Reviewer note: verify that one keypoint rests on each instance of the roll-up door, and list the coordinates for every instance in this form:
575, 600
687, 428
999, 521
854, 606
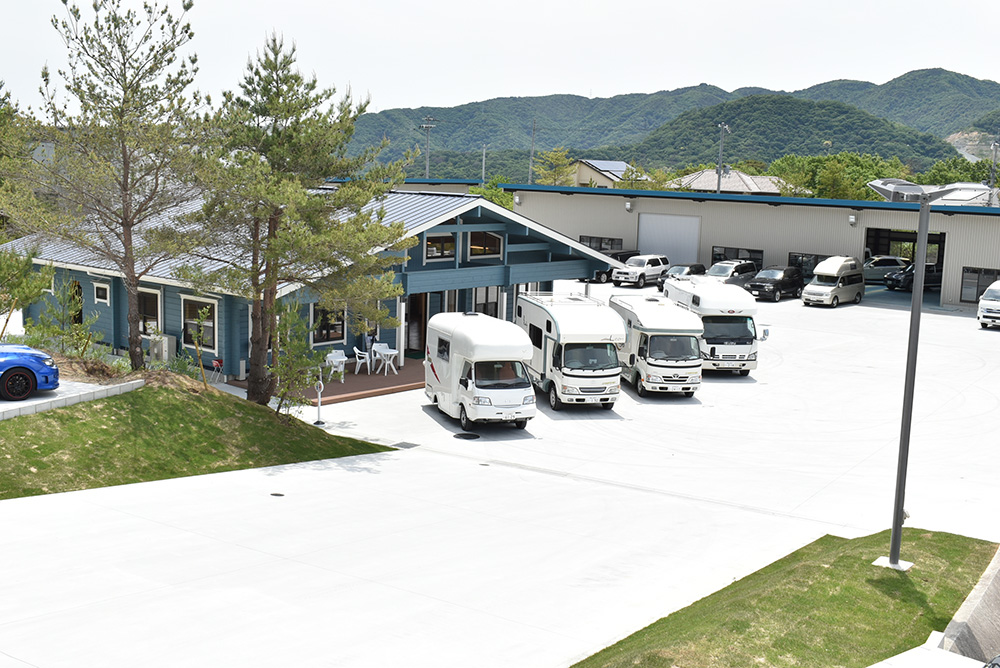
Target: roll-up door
674, 236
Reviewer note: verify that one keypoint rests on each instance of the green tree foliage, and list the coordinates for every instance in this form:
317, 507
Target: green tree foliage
554, 168
265, 224
492, 191
637, 178
20, 284
955, 170
988, 123
62, 321
116, 154
297, 368
840, 176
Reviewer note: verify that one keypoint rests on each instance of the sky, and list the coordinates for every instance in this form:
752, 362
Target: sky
444, 53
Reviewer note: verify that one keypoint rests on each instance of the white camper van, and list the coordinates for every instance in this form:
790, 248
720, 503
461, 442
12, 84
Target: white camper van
574, 355
661, 351
474, 369
729, 342
988, 312
836, 279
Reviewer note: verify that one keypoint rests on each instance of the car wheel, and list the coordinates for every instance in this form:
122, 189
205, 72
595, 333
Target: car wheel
520, 424
608, 405
17, 384
777, 295
889, 287
554, 401
640, 389
618, 284
984, 325
835, 302
689, 394
857, 298
602, 277
464, 421
798, 293
744, 372
641, 283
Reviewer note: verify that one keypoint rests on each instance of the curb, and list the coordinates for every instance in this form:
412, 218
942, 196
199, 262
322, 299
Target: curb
88, 394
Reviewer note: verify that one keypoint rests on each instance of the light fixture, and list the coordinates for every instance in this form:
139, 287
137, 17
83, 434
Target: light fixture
628, 205
852, 220
517, 200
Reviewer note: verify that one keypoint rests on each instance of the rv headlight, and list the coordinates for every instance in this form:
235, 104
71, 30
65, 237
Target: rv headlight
752, 357
696, 378
614, 389
569, 389
482, 401
530, 399
650, 378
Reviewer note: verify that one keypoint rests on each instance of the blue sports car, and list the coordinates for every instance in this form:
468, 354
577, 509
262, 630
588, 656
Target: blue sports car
24, 370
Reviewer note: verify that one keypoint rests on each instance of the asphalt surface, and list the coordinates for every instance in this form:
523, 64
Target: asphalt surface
517, 548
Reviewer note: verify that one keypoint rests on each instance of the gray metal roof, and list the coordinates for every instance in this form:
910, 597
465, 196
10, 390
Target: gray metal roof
614, 168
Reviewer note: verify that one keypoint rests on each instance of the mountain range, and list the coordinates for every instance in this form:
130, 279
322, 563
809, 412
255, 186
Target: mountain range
908, 117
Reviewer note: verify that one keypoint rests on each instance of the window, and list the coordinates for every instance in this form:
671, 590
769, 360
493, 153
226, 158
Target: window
149, 311
484, 244
975, 280
720, 253
444, 349
328, 326
535, 334
440, 246
102, 294
601, 243
193, 317
487, 300
806, 262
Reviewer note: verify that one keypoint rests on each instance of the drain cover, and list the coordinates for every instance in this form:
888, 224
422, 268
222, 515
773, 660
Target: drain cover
466, 435
276, 494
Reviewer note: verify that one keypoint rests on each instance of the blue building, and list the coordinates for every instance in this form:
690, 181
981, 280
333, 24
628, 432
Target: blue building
471, 255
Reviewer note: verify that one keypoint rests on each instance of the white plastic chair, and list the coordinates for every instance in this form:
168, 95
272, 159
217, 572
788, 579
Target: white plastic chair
376, 351
336, 361
361, 357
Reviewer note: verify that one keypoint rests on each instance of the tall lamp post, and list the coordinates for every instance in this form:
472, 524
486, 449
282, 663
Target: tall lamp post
426, 126
898, 190
723, 129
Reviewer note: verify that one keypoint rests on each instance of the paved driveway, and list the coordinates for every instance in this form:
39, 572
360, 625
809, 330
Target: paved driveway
519, 548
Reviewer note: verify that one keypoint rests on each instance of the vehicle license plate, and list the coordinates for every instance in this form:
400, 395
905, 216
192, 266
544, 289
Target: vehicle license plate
508, 416
729, 365
593, 400
755, 292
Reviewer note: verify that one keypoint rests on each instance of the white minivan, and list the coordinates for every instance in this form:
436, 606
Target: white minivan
989, 306
836, 279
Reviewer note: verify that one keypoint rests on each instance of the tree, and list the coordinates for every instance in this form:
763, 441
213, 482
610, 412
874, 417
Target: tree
637, 178
20, 284
265, 224
120, 160
955, 170
844, 175
492, 191
554, 168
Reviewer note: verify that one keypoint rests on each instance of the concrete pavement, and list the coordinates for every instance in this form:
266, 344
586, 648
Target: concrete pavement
519, 548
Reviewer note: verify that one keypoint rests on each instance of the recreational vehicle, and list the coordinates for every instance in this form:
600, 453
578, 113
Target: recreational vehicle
661, 351
574, 355
729, 342
836, 279
474, 369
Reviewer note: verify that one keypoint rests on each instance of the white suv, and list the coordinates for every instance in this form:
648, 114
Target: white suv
641, 269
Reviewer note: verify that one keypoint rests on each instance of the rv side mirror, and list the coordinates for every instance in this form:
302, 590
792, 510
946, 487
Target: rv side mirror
631, 359
642, 351
765, 334
464, 382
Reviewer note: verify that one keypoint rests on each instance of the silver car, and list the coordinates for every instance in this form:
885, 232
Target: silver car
735, 272
878, 266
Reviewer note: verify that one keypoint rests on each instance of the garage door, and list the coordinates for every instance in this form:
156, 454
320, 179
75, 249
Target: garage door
674, 236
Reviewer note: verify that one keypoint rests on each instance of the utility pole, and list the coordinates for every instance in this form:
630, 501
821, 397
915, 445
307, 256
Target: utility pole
993, 173
723, 129
531, 160
483, 178
426, 126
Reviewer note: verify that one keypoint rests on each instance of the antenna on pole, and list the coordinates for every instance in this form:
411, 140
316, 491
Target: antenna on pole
531, 159
723, 129
426, 126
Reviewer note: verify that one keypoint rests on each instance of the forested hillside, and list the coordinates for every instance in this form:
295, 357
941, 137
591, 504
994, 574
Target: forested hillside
766, 127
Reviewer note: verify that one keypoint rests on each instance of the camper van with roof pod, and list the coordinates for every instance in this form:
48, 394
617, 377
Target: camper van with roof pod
729, 342
574, 347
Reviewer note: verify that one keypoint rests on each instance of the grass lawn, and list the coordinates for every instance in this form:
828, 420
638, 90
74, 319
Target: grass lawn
824, 605
154, 433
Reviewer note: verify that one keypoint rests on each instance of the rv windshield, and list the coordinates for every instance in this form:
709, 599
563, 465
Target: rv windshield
720, 270
673, 348
501, 375
590, 356
728, 329
991, 294
823, 279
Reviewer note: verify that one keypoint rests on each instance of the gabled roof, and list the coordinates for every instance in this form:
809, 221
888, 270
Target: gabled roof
613, 169
707, 180
418, 211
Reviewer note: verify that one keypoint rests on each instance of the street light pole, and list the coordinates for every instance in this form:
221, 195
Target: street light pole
723, 129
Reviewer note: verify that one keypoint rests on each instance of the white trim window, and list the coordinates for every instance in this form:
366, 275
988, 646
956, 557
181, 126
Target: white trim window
485, 244
326, 327
102, 293
150, 311
190, 308
439, 247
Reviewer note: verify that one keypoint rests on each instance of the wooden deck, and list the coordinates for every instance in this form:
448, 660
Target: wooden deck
363, 385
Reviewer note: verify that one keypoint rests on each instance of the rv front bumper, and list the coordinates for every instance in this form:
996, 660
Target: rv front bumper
500, 413
728, 365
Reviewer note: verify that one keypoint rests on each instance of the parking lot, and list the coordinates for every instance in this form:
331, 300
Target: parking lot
516, 548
